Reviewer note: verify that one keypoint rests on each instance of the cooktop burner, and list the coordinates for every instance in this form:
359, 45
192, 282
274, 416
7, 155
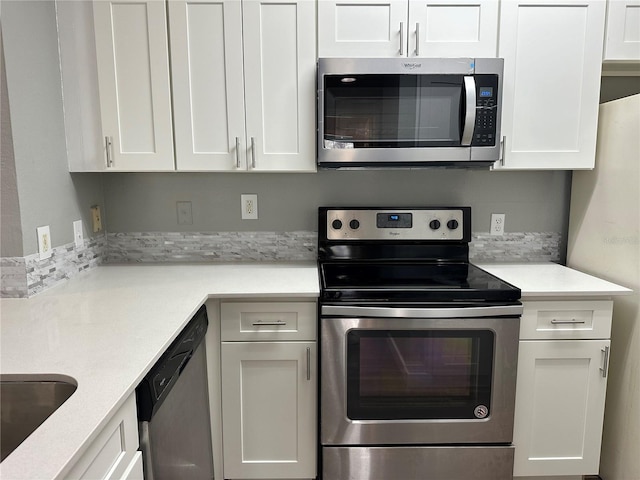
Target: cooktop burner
402, 255
417, 282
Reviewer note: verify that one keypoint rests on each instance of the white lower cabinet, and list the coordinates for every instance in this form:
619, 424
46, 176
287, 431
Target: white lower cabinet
561, 388
114, 453
269, 391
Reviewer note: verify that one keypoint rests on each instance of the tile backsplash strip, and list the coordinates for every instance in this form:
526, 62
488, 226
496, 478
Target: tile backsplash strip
211, 247
300, 246
13, 277
25, 276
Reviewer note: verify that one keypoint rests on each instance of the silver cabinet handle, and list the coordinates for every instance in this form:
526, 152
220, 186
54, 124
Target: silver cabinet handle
253, 152
401, 38
308, 363
417, 39
503, 149
277, 322
237, 152
470, 116
605, 364
566, 322
108, 142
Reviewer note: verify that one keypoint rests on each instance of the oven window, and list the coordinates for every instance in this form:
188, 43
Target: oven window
425, 374
385, 111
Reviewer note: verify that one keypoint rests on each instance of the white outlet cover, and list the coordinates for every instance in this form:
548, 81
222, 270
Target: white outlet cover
78, 237
249, 205
44, 242
497, 223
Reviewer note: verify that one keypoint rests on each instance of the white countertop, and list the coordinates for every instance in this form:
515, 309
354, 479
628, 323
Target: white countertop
552, 280
107, 327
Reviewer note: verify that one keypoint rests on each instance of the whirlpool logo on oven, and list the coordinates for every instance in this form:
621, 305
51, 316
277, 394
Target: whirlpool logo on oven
412, 66
393, 234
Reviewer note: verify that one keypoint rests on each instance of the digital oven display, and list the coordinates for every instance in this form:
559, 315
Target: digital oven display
394, 220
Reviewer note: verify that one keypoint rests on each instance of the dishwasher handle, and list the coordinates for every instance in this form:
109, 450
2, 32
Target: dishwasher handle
145, 448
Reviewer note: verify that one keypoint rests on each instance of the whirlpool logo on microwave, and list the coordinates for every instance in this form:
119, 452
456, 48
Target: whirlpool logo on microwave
411, 66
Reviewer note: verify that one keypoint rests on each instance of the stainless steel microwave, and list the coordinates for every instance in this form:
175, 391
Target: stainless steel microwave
396, 113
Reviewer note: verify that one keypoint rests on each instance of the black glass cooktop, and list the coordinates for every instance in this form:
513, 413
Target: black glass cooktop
412, 282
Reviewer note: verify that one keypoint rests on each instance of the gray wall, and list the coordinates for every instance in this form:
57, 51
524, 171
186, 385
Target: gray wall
10, 228
532, 201
48, 194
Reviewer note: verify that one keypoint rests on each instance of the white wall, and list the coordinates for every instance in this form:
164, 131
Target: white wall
604, 240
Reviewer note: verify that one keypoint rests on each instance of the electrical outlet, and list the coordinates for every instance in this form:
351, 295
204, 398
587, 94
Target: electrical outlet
497, 223
78, 238
44, 242
96, 219
249, 203
185, 216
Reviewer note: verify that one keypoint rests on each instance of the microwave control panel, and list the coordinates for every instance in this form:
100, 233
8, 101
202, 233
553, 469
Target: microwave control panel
484, 131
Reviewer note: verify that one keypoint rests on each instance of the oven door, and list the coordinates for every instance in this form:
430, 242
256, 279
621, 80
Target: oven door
435, 376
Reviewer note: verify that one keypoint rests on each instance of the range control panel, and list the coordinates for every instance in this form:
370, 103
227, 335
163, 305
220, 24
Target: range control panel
396, 224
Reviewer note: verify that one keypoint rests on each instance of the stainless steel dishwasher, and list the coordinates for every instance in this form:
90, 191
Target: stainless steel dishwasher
173, 410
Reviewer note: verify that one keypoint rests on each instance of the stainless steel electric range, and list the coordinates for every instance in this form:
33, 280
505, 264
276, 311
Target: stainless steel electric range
418, 348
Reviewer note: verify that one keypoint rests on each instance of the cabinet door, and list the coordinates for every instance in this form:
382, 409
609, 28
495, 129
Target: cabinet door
362, 28
623, 30
559, 412
280, 82
552, 63
208, 93
133, 77
453, 28
269, 409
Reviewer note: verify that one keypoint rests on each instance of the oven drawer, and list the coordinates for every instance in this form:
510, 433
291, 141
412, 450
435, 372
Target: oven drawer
418, 463
266, 321
570, 319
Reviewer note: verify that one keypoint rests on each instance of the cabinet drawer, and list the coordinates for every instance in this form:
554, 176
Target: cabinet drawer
566, 319
247, 321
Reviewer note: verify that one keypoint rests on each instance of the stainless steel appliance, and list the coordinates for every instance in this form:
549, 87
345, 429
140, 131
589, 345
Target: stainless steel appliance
394, 112
418, 348
173, 410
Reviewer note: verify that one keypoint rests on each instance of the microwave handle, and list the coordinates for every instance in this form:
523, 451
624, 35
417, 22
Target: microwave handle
470, 115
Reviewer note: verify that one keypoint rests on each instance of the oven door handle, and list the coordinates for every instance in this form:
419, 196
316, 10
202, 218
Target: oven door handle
400, 312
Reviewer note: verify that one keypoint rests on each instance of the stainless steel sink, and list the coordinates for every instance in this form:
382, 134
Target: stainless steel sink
25, 402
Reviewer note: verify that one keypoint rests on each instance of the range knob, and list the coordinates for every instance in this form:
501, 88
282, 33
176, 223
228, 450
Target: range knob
452, 224
354, 224
336, 224
434, 224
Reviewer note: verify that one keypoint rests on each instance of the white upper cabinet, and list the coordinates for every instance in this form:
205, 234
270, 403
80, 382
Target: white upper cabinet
552, 64
133, 78
407, 28
362, 28
208, 95
280, 84
622, 42
453, 28
244, 84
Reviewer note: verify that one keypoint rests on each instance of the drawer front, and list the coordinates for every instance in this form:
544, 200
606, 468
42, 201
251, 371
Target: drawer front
589, 319
265, 321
